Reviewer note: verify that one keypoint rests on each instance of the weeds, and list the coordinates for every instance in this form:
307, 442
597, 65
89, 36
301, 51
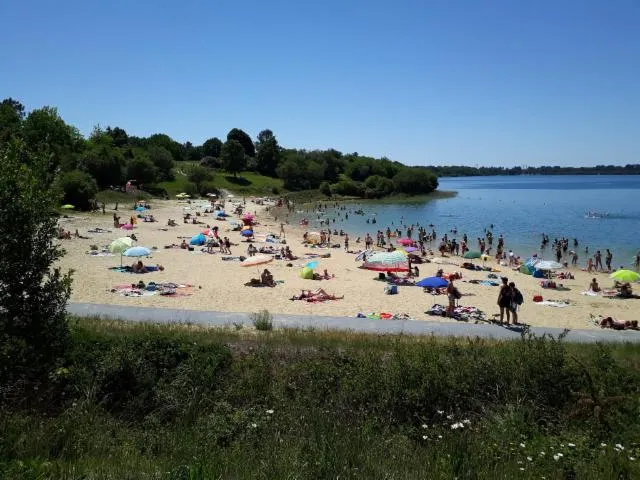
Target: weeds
262, 320
144, 401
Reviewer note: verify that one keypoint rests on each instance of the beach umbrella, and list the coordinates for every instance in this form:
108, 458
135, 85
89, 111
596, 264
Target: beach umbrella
140, 209
387, 262
410, 249
67, 207
256, 260
247, 233
548, 265
137, 252
121, 244
404, 241
432, 282
625, 276
209, 232
471, 254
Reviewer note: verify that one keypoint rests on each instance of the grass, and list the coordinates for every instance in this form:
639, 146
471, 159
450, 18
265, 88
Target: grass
245, 183
183, 401
109, 196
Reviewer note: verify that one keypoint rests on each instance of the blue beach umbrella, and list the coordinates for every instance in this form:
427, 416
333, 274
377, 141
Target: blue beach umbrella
137, 252
432, 282
246, 233
312, 264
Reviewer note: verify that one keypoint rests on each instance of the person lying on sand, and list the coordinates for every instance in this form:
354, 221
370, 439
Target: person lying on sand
609, 322
318, 295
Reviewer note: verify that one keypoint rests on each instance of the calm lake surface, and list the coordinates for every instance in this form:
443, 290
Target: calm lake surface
521, 208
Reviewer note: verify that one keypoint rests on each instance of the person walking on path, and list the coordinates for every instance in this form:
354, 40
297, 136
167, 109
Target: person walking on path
504, 300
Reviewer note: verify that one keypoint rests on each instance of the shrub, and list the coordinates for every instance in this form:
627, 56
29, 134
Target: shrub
325, 189
33, 295
79, 189
262, 320
211, 162
347, 187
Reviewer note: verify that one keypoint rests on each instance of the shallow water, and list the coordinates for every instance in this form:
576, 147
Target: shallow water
521, 208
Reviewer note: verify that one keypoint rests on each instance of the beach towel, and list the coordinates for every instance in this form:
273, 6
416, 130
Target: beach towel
554, 303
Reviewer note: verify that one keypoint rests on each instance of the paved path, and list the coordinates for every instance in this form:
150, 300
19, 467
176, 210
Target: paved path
407, 327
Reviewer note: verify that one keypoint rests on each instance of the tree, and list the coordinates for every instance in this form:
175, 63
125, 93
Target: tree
165, 141
267, 153
299, 173
199, 175
103, 161
119, 136
191, 152
33, 293
79, 188
163, 161
233, 157
141, 169
212, 147
415, 181
325, 189
47, 135
244, 140
11, 117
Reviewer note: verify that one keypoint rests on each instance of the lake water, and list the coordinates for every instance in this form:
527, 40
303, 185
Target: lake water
521, 208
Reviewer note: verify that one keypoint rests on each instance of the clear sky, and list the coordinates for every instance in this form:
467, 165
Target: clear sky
473, 82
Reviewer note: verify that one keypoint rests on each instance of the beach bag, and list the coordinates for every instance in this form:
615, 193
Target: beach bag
391, 289
537, 298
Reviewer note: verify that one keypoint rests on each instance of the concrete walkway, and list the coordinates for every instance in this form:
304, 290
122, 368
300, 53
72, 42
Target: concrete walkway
406, 327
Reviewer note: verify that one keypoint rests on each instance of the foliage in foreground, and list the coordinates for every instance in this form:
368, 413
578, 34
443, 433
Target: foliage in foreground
33, 295
167, 402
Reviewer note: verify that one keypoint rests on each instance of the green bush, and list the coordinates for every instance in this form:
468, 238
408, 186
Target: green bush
347, 188
262, 320
79, 189
325, 189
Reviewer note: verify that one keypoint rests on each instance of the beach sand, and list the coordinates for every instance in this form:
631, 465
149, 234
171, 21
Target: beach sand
219, 285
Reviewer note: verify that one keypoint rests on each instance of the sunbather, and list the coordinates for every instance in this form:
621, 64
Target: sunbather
593, 286
267, 279
318, 295
138, 267
609, 322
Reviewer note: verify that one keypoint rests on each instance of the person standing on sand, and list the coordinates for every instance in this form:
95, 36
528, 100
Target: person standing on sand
346, 243
608, 259
637, 262
598, 259
504, 300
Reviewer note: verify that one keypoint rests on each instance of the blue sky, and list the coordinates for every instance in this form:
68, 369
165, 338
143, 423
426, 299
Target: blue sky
473, 82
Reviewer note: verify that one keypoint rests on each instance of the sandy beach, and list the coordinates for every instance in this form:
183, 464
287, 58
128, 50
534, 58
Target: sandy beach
220, 285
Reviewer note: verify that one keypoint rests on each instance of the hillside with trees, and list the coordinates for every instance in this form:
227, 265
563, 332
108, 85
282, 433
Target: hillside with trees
110, 158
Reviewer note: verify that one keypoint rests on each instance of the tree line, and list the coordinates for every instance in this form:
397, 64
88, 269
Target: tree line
109, 157
464, 171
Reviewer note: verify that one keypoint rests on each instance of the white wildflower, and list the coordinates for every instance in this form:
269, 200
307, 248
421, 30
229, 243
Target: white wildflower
466, 421
571, 444
530, 459
619, 447
522, 445
269, 412
449, 417
522, 468
603, 445
557, 456
424, 437
440, 412
457, 425
632, 459
440, 437
254, 425
542, 454
424, 425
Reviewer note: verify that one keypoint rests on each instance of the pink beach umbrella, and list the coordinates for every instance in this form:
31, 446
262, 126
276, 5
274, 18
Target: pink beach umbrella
404, 241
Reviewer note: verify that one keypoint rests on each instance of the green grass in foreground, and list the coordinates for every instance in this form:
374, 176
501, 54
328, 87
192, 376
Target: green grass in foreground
180, 402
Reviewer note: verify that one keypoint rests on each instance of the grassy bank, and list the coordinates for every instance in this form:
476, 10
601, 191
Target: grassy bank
184, 402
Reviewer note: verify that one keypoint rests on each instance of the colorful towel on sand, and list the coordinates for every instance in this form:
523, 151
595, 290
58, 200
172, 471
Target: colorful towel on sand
459, 313
163, 289
384, 316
